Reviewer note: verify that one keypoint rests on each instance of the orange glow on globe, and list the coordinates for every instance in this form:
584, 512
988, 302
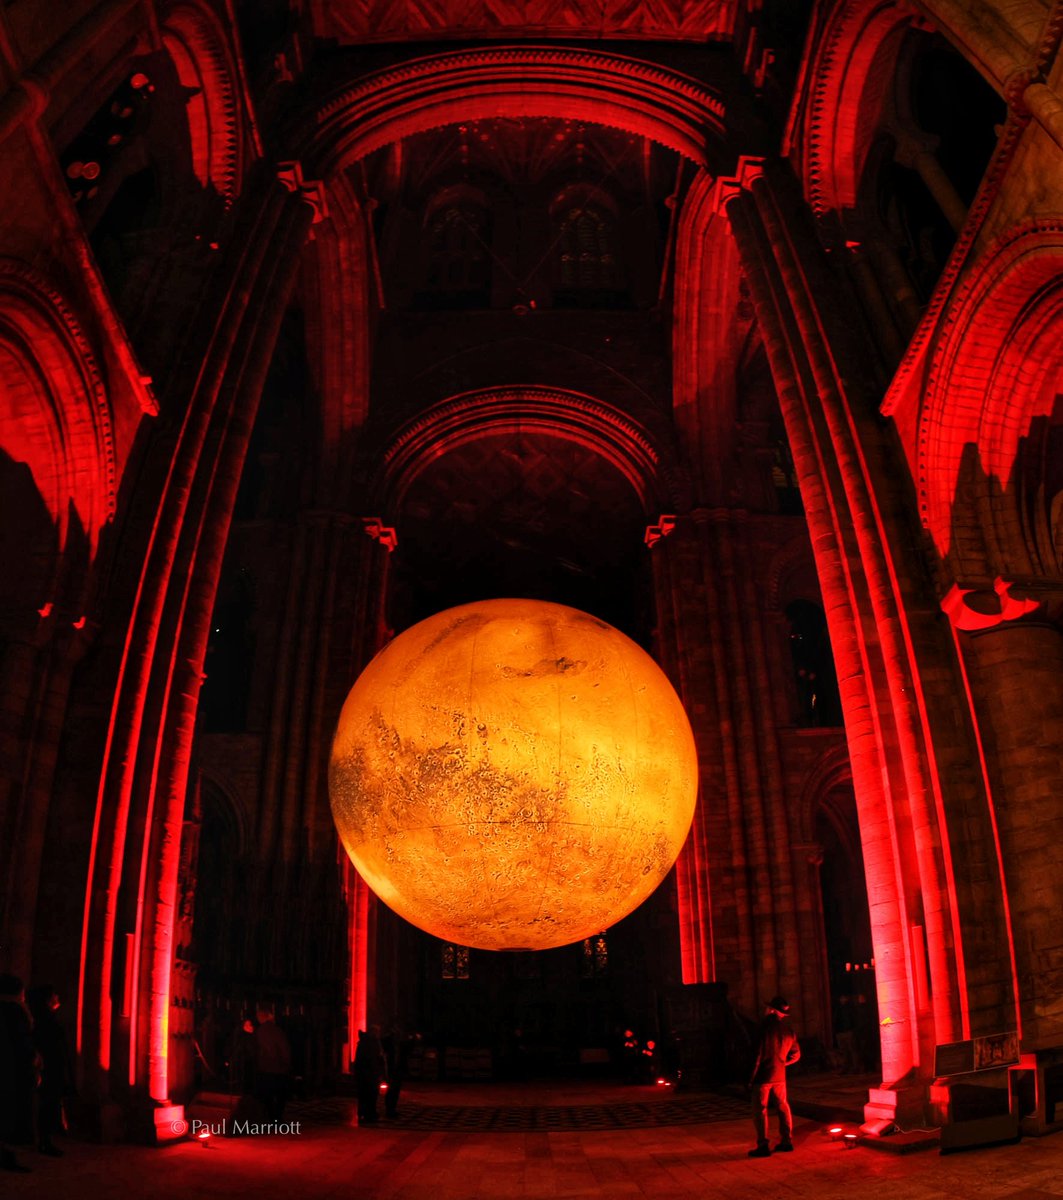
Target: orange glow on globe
513, 774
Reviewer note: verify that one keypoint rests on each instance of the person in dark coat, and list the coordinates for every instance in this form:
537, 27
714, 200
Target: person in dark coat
396, 1046
370, 1070
49, 1038
776, 1050
18, 1072
273, 1064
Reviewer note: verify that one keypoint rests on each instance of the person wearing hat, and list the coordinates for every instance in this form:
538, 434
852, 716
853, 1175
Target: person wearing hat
777, 1050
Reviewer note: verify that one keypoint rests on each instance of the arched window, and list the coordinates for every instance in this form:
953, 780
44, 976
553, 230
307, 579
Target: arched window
594, 962
586, 270
813, 664
457, 251
936, 133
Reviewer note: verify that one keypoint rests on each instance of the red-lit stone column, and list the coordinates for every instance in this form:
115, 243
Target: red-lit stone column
683, 656
198, 568
1016, 678
136, 846
851, 624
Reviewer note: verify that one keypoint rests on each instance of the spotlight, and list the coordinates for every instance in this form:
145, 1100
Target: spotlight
835, 1133
383, 1086
203, 1136
664, 1083
849, 1141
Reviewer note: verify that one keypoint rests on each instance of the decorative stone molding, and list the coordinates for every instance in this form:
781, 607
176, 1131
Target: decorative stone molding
514, 81
852, 33
202, 57
599, 427
32, 301
984, 377
355, 22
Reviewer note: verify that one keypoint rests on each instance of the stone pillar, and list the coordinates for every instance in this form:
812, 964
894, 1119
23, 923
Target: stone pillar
915, 150
1016, 674
791, 290
175, 547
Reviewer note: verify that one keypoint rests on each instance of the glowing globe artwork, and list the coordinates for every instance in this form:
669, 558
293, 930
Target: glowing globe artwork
513, 774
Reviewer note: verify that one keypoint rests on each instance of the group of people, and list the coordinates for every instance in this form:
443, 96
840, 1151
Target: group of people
260, 1062
381, 1063
35, 1070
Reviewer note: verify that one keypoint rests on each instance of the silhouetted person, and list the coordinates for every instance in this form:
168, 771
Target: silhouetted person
630, 1056
370, 1070
242, 1061
49, 1038
776, 1050
649, 1069
396, 1046
18, 1072
845, 1035
273, 1064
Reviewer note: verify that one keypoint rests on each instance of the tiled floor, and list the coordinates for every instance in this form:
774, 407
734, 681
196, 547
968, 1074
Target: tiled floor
706, 1160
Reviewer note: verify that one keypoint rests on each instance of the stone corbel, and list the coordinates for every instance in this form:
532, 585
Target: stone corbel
970, 618
379, 532
310, 191
655, 533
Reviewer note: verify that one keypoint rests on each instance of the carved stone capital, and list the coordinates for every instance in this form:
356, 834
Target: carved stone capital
973, 609
655, 533
310, 191
379, 532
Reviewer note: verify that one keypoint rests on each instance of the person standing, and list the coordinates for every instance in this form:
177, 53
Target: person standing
845, 1035
370, 1070
776, 1050
49, 1037
18, 1072
396, 1046
273, 1064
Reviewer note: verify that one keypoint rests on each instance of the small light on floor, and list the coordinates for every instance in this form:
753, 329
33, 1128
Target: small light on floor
383, 1086
836, 1132
203, 1136
849, 1141
664, 1083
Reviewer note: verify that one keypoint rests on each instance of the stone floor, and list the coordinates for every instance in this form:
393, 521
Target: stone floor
330, 1157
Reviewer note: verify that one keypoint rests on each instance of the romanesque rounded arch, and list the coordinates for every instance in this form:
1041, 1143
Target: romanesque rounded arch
607, 431
514, 81
831, 772
57, 420
988, 382
845, 94
197, 47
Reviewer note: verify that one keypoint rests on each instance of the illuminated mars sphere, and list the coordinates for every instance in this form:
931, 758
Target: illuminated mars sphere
513, 774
